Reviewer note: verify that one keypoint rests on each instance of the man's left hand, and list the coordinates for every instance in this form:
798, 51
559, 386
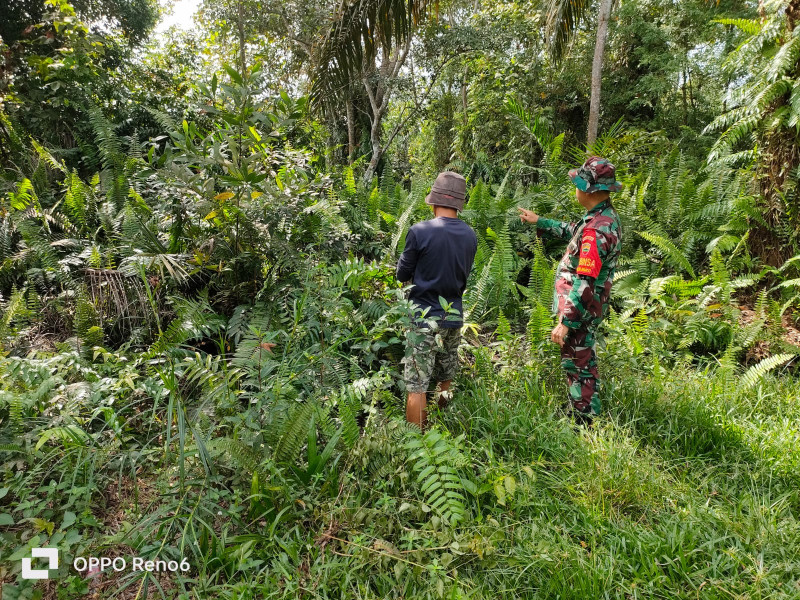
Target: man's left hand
559, 334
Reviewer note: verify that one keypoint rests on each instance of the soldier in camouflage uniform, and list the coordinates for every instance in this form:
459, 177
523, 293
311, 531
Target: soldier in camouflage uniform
583, 279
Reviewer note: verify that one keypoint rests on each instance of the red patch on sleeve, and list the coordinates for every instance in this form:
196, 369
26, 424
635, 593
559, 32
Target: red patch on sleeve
589, 262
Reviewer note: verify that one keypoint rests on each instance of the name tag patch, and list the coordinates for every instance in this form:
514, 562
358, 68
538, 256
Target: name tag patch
589, 262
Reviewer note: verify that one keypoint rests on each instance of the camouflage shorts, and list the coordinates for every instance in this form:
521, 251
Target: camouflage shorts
431, 357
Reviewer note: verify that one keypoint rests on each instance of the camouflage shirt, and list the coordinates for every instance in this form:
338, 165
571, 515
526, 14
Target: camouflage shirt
586, 271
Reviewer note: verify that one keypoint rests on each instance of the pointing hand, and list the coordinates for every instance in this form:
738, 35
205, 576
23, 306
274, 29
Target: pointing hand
527, 215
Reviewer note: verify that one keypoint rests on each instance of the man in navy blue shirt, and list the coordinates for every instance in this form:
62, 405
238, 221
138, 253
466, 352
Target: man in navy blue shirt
437, 258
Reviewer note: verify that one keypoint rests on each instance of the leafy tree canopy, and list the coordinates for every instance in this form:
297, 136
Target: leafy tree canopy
133, 18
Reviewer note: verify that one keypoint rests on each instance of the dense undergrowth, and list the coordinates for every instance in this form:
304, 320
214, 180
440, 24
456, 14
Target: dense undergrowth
265, 442
687, 488
201, 361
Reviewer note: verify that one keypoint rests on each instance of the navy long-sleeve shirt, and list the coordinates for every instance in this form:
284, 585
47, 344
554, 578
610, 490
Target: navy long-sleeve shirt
437, 258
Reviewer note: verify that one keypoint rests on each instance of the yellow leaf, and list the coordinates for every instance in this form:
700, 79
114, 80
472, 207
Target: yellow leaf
255, 194
500, 492
224, 196
211, 215
43, 525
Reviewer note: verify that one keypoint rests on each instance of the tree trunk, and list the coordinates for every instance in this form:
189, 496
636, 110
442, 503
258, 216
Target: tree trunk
240, 27
377, 150
793, 14
597, 68
379, 102
372, 168
330, 140
779, 161
351, 130
464, 96
685, 99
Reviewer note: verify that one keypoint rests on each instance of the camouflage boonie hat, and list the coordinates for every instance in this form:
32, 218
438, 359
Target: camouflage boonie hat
596, 174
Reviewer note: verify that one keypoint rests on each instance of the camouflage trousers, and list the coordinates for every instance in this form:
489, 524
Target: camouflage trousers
431, 357
579, 361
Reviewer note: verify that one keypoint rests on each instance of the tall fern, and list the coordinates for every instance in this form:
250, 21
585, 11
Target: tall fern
436, 459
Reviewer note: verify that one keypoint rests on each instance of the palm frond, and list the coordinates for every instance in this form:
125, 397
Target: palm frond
563, 18
358, 32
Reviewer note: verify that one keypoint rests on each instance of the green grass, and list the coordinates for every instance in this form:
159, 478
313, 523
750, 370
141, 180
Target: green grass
693, 497
687, 487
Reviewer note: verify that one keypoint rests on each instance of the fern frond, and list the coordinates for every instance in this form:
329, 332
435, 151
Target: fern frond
402, 226
670, 251
243, 457
294, 432
434, 458
748, 26
47, 157
754, 374
349, 408
785, 61
771, 92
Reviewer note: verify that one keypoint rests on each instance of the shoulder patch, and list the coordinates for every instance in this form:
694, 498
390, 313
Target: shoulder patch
589, 262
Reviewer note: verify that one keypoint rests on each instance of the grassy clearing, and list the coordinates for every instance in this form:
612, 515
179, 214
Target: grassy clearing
686, 488
618, 512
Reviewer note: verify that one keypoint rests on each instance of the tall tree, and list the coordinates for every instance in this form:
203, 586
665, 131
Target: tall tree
358, 33
563, 18
377, 82
367, 41
603, 16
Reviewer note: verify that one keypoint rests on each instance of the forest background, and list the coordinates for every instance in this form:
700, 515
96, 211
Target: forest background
201, 332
